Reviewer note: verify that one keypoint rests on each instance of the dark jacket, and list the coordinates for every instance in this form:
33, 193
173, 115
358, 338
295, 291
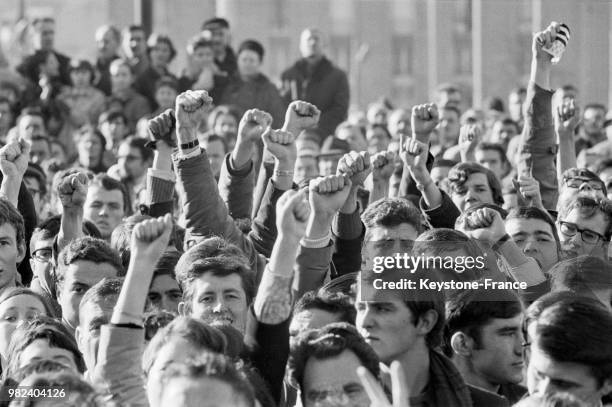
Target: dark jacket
325, 86
28, 68
229, 65
258, 93
103, 79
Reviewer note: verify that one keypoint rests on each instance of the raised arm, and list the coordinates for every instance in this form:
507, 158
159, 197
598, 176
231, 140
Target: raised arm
382, 168
72, 192
160, 177
273, 301
118, 369
538, 149
236, 181
14, 159
469, 137
326, 195
567, 118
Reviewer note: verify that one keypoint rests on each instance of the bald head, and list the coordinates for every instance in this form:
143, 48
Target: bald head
312, 42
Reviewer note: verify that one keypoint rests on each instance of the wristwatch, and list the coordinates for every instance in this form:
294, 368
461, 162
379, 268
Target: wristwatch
191, 144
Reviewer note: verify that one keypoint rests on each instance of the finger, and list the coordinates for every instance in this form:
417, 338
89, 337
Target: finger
372, 387
399, 388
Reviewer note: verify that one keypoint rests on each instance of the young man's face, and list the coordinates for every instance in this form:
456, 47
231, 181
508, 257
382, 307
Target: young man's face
580, 186
491, 159
474, 191
79, 277
121, 77
306, 168
91, 318
134, 44
90, 150
80, 78
503, 133
386, 324
160, 55
40, 151
30, 126
44, 35
576, 245
498, 359
593, 120
328, 381
132, 166
12, 252
104, 208
165, 294
203, 57
249, 63
219, 299
311, 44
547, 376
114, 131
14, 311
535, 238
448, 128
165, 97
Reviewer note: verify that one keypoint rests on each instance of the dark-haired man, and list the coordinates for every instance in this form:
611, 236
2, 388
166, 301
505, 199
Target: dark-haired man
569, 351
482, 336
135, 48
106, 204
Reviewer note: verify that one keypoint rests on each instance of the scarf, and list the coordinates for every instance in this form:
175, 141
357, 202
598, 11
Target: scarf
446, 386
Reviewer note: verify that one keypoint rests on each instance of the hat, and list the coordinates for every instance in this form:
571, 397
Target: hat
334, 146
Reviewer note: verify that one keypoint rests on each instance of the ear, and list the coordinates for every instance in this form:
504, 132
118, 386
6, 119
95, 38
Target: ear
462, 344
427, 321
182, 309
21, 252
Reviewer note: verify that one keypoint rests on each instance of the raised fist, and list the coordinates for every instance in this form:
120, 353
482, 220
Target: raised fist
252, 125
292, 212
150, 238
301, 115
567, 118
469, 137
72, 190
14, 159
161, 128
356, 166
414, 154
483, 224
191, 107
383, 165
328, 194
528, 189
281, 144
425, 118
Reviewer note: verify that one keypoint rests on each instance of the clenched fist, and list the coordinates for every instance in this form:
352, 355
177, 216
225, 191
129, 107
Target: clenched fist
301, 115
14, 159
150, 238
328, 194
252, 125
190, 109
356, 166
425, 118
280, 144
161, 128
292, 212
72, 190
383, 165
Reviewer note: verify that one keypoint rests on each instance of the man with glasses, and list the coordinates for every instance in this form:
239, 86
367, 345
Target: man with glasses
580, 181
584, 226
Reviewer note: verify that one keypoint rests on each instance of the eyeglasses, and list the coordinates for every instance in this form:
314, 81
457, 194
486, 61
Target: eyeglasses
578, 183
43, 255
588, 236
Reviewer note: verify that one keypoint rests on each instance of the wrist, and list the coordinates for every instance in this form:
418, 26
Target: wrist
284, 164
288, 238
500, 242
319, 225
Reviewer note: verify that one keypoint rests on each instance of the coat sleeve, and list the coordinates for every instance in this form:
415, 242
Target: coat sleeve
538, 148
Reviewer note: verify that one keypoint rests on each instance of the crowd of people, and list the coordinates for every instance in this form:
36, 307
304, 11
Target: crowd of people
213, 239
